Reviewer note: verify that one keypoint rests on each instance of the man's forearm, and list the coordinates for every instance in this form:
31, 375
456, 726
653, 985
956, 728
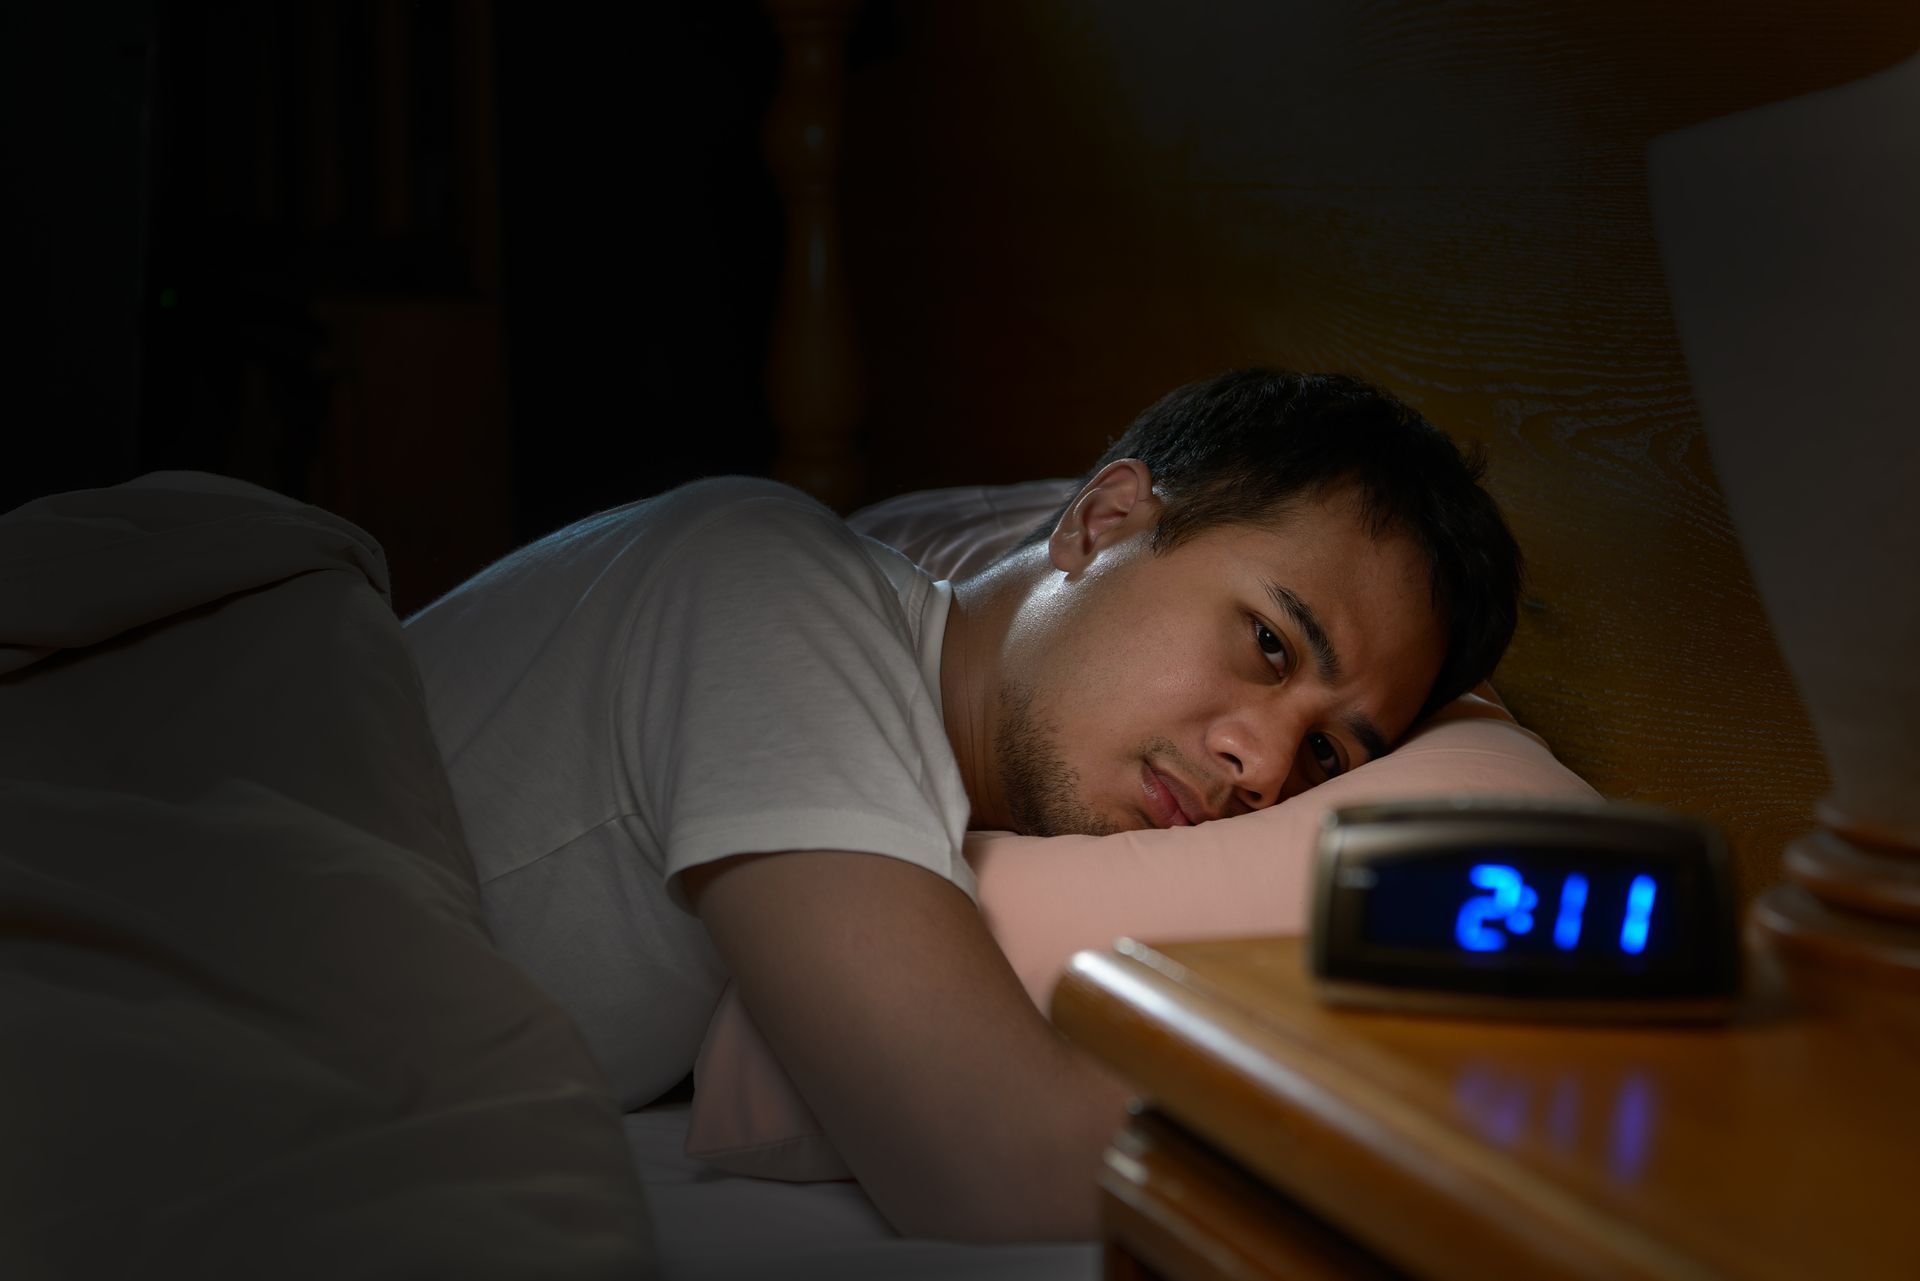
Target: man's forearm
960, 1110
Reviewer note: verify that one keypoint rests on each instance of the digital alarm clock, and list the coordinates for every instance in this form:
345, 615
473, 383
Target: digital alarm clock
1547, 910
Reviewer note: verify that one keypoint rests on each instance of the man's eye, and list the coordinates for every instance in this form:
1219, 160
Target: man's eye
1270, 644
1325, 754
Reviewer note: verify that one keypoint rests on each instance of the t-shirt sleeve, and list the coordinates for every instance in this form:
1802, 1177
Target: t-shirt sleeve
773, 698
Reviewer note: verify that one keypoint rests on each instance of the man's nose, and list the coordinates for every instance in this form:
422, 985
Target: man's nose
1258, 757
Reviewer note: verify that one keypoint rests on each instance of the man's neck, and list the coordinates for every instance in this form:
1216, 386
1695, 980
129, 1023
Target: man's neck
983, 609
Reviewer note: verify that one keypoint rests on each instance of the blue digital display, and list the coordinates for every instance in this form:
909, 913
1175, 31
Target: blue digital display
1488, 920
1503, 901
1509, 908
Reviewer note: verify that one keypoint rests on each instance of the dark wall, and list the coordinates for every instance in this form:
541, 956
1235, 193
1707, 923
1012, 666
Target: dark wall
641, 240
462, 271
75, 84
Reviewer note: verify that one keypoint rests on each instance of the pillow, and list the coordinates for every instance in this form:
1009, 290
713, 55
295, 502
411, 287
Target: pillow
1045, 898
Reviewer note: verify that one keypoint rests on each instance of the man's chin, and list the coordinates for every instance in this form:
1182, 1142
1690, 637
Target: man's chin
1042, 791
1061, 815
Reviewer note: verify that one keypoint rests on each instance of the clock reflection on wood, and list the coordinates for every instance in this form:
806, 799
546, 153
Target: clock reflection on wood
1278, 1136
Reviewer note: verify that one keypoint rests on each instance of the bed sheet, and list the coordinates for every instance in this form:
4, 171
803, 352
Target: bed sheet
711, 1226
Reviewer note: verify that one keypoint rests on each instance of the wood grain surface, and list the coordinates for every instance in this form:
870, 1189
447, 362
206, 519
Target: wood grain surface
1058, 211
1779, 1146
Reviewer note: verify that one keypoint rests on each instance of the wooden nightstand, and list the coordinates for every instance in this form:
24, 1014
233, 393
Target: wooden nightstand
1280, 1138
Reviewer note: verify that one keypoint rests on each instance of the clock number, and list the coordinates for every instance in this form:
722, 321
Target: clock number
1510, 904
1486, 921
1573, 904
1633, 929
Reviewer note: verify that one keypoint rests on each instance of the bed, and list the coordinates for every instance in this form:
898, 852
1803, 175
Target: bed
236, 896
1010, 228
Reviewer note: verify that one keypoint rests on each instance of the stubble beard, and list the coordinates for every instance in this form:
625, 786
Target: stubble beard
1042, 791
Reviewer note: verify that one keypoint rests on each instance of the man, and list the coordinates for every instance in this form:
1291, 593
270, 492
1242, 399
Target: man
680, 733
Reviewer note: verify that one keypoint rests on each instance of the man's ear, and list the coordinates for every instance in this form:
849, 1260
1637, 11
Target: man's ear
1113, 506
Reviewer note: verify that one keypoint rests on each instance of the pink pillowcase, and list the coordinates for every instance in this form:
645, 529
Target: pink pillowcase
1045, 898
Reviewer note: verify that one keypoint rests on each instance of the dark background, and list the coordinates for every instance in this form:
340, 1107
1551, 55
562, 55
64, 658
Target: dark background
464, 270
461, 271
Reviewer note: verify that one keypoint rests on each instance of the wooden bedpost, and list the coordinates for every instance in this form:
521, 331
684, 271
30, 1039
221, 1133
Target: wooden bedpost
813, 373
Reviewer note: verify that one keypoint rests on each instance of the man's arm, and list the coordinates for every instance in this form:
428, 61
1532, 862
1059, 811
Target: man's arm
960, 1110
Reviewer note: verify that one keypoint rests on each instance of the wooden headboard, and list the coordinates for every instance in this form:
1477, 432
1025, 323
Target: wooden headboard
1011, 227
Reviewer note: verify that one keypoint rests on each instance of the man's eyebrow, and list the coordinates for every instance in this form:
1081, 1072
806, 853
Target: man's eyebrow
1369, 735
1327, 663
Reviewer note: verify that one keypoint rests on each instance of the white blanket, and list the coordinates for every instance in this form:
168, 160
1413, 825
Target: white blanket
250, 1022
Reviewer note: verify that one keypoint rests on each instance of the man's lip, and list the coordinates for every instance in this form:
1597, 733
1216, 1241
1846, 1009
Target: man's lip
1164, 799
1191, 805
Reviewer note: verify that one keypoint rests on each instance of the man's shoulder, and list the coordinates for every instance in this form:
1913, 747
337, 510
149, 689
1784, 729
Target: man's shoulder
747, 515
727, 520
721, 491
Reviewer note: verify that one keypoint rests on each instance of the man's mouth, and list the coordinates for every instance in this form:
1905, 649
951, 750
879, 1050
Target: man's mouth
1163, 802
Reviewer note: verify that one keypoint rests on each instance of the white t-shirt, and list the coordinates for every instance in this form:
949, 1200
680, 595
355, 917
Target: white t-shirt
723, 669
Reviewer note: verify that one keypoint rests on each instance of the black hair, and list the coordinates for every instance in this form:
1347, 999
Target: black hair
1246, 447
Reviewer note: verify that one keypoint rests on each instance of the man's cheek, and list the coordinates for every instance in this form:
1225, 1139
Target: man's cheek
1297, 782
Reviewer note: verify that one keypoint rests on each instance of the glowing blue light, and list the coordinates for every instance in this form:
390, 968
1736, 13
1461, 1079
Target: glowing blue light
1511, 904
1636, 1114
1573, 903
1633, 930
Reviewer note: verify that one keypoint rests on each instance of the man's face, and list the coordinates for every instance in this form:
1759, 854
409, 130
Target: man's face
1241, 668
